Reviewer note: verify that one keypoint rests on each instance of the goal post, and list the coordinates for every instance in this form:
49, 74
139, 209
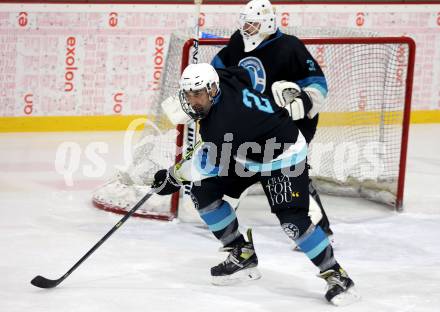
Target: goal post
404, 59
361, 142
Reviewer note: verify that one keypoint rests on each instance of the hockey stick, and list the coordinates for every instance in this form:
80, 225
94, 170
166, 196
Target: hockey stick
42, 282
191, 128
194, 58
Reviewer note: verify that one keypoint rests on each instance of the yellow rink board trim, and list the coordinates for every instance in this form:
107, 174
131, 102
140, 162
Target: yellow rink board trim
338, 119
119, 122
68, 123
428, 116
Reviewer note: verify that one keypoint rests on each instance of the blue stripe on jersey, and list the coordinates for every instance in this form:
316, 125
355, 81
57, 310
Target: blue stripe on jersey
278, 164
203, 165
219, 218
217, 62
217, 97
317, 82
315, 243
278, 34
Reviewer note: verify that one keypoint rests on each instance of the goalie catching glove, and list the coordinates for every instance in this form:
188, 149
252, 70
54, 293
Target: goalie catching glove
290, 96
173, 109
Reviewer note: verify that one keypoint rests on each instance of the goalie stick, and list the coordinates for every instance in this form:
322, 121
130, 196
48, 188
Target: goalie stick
190, 137
42, 282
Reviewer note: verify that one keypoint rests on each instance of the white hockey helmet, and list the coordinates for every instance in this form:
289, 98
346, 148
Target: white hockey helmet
257, 22
197, 77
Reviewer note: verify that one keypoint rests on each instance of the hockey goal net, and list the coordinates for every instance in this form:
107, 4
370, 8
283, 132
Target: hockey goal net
360, 145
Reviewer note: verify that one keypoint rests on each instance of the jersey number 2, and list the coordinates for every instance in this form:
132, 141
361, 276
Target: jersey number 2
249, 98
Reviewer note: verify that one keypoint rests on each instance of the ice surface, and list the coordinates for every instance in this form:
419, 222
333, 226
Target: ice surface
46, 226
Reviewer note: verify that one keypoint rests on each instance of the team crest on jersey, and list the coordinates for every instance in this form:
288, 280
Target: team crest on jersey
255, 67
291, 230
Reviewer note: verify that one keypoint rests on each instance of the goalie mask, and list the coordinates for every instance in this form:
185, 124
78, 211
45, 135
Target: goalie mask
257, 22
199, 85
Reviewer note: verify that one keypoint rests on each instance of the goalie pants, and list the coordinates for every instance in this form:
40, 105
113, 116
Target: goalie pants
288, 198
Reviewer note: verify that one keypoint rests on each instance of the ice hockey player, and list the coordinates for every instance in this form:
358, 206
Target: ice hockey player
282, 68
247, 138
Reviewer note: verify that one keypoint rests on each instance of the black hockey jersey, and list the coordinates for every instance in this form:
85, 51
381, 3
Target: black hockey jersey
246, 126
280, 57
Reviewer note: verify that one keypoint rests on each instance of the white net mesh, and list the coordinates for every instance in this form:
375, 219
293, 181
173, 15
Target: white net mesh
357, 146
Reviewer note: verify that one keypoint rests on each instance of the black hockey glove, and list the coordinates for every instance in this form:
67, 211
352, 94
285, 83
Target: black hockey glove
164, 183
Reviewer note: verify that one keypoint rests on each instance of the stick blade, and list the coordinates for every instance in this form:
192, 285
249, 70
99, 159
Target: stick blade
42, 282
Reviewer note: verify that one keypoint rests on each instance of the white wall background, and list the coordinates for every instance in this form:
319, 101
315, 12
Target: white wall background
67, 59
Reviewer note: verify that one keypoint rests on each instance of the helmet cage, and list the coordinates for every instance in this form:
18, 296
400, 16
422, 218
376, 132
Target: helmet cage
197, 77
186, 105
249, 29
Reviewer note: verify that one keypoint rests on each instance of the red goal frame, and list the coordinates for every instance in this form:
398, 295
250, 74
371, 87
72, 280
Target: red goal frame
347, 40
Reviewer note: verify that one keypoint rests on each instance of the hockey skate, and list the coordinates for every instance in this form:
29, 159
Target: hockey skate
340, 287
240, 265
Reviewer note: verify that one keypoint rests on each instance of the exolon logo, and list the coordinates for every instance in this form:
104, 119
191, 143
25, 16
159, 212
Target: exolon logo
70, 64
28, 104
158, 60
117, 99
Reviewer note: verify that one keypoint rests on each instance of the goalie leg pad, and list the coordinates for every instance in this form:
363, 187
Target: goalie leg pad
320, 216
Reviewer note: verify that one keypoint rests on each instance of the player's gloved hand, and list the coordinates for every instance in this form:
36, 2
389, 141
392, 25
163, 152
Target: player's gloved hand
165, 183
290, 96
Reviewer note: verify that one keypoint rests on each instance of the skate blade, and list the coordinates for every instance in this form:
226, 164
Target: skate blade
237, 277
346, 298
